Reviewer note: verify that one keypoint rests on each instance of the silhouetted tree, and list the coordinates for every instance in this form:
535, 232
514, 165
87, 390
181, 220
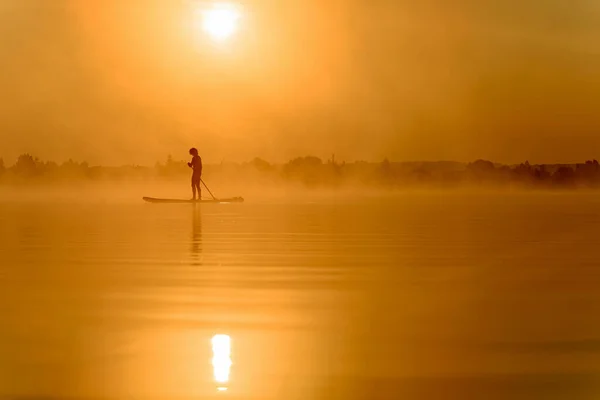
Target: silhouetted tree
481, 170
306, 169
305, 162
385, 165
71, 169
422, 174
564, 176
588, 173
385, 168
524, 173
384, 173
481, 166
50, 165
542, 174
26, 165
260, 164
171, 167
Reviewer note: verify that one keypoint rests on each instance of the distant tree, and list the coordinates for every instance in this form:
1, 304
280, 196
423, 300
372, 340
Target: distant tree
564, 176
50, 167
383, 172
306, 169
481, 166
260, 164
422, 174
385, 165
26, 165
305, 162
71, 169
588, 173
524, 173
68, 165
593, 164
481, 170
171, 167
542, 174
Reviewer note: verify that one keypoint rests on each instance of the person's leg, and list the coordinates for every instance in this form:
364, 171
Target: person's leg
193, 189
198, 190
196, 186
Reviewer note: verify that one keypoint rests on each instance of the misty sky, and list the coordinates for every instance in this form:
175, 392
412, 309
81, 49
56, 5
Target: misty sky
129, 81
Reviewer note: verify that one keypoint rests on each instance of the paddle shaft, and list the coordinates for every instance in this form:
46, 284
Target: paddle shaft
214, 198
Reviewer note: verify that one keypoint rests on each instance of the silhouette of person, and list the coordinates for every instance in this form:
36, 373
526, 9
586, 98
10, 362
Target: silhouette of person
196, 166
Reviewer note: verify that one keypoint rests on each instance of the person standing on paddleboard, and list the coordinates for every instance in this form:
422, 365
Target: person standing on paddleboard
196, 166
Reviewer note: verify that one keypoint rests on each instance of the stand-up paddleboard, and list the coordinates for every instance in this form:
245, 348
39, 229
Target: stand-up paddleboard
180, 201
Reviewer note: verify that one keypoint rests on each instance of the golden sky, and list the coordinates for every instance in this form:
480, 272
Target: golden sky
118, 81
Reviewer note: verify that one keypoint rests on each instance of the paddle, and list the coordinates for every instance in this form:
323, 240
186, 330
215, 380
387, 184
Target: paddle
214, 198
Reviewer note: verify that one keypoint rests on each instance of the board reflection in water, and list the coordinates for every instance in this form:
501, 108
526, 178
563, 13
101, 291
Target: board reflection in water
221, 361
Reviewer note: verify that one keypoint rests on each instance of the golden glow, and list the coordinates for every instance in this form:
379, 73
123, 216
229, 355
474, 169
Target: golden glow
221, 361
219, 20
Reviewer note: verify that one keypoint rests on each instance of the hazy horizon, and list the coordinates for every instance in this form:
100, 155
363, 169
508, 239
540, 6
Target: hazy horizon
182, 158
116, 82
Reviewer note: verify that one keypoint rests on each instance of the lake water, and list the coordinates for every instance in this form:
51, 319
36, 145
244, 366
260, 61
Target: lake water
417, 296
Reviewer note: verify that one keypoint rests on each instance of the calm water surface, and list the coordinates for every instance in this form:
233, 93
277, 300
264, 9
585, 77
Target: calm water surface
415, 297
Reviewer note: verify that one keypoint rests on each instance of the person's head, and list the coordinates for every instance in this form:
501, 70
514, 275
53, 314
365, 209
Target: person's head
194, 151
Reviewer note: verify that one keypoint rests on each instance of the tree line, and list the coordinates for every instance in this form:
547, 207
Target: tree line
312, 171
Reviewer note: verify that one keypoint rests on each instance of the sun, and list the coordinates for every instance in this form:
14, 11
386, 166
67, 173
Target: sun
219, 20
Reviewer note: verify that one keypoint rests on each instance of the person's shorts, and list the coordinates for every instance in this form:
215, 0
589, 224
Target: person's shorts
196, 179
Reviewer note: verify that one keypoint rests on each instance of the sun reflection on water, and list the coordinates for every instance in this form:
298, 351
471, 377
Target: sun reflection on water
221, 361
